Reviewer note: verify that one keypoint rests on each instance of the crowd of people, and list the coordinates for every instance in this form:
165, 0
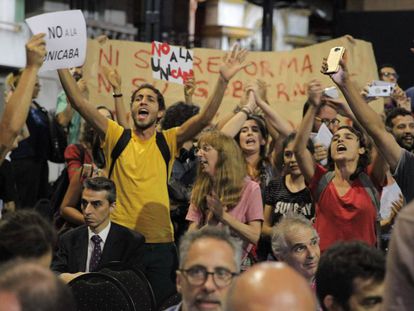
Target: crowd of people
276, 218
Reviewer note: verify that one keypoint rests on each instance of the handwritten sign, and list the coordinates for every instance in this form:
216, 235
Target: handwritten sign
286, 73
66, 39
171, 63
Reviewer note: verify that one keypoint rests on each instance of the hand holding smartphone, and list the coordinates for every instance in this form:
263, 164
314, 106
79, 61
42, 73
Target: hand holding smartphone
334, 57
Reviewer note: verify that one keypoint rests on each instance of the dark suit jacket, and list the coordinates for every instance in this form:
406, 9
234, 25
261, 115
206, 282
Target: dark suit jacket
122, 244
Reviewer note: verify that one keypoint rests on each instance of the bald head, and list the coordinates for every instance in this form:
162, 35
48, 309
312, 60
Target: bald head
271, 286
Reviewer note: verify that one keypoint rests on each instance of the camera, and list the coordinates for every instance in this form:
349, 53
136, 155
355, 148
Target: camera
379, 90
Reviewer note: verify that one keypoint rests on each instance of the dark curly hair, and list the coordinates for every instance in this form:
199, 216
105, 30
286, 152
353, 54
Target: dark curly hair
160, 97
364, 159
177, 114
344, 262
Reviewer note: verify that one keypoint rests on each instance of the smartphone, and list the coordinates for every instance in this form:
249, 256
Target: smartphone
335, 55
331, 92
379, 91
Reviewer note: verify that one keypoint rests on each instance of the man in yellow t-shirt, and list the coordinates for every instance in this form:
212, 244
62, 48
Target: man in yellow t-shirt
140, 173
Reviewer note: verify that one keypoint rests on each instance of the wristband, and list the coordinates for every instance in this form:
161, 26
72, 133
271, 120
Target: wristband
116, 95
246, 111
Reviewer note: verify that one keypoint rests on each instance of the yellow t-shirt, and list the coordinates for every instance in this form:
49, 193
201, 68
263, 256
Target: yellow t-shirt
141, 183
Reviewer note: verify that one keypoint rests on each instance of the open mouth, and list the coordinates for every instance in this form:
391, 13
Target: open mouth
142, 113
340, 148
250, 141
206, 304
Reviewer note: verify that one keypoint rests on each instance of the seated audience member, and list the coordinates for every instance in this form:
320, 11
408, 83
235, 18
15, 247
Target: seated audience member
296, 242
26, 235
344, 207
89, 247
270, 286
207, 252
399, 280
16, 111
223, 194
350, 277
400, 161
27, 286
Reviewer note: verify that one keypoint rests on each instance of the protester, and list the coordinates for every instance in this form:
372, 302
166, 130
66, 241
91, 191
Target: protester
15, 113
141, 205
223, 194
401, 162
344, 208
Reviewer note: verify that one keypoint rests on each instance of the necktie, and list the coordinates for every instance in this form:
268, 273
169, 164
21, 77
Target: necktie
96, 253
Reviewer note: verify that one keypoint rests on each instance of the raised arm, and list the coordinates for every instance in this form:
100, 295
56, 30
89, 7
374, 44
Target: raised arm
189, 89
115, 80
302, 154
281, 125
231, 65
86, 110
72, 197
233, 126
17, 108
367, 117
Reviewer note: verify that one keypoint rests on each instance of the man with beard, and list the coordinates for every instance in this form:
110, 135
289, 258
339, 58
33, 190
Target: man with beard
209, 260
140, 172
400, 123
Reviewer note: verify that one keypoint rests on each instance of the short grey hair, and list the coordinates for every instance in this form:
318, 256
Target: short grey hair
288, 223
216, 233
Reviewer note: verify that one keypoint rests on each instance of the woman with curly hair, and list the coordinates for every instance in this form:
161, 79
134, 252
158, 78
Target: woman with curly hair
345, 209
223, 194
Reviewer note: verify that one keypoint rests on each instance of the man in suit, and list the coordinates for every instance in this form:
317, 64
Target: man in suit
90, 247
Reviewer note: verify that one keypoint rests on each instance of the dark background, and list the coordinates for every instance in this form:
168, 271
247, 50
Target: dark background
391, 34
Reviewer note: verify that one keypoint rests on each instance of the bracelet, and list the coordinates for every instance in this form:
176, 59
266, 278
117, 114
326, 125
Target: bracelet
246, 111
116, 95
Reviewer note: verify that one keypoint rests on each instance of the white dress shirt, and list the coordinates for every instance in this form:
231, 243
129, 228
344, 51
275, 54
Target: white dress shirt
103, 235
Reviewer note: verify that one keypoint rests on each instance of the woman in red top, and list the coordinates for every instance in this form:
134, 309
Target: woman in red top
344, 209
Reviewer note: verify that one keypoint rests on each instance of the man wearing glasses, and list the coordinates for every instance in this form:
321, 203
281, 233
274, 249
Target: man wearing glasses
398, 98
209, 260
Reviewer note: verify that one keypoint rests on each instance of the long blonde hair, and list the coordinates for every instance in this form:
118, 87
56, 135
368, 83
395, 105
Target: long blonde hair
230, 172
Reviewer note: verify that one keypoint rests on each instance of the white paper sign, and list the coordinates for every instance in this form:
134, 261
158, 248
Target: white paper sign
65, 38
171, 63
324, 136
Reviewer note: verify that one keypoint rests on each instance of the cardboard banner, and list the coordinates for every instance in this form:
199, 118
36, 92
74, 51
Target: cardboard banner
65, 38
171, 63
286, 73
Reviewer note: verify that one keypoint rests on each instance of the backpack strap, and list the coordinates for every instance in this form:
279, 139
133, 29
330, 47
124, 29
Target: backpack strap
119, 147
375, 198
163, 146
81, 152
323, 183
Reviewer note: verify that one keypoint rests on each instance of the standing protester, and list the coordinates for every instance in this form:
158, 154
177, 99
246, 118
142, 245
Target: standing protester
224, 195
141, 173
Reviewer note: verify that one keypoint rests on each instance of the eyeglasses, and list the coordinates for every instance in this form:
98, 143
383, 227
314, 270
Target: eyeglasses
205, 148
198, 275
388, 74
327, 122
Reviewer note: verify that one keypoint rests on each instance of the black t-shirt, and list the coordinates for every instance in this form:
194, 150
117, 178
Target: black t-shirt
7, 184
283, 201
